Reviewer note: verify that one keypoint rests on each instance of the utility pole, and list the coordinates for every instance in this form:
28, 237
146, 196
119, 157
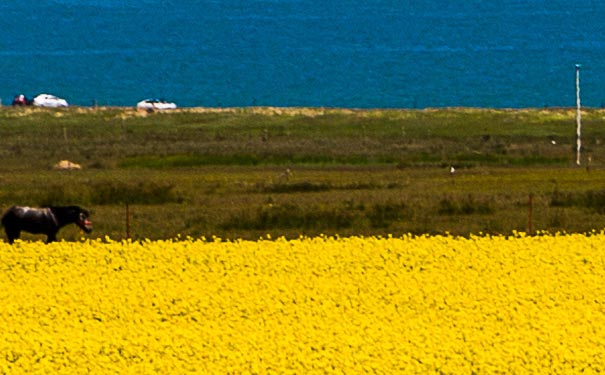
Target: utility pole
578, 116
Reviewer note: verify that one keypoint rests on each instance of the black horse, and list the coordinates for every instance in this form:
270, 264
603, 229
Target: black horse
45, 220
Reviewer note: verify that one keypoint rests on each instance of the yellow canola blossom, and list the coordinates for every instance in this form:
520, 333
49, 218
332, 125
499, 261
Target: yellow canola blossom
410, 305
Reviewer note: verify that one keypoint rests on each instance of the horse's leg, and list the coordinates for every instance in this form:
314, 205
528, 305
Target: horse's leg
52, 237
12, 234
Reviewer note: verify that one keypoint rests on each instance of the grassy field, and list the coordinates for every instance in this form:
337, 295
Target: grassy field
249, 172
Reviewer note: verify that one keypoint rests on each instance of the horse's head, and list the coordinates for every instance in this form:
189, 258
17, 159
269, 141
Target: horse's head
83, 221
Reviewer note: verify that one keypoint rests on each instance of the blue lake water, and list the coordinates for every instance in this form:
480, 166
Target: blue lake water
336, 53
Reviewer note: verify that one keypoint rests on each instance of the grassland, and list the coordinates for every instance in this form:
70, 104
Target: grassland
249, 172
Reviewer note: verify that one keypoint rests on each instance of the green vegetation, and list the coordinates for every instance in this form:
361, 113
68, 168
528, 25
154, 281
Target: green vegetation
249, 172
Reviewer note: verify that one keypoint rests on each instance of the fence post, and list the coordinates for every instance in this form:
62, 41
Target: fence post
530, 229
127, 221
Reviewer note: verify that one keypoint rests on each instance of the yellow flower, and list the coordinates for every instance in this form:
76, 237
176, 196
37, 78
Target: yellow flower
415, 304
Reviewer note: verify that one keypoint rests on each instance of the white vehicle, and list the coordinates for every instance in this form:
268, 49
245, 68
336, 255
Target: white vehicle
47, 100
159, 104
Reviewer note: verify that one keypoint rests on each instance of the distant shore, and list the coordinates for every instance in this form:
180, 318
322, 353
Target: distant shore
304, 111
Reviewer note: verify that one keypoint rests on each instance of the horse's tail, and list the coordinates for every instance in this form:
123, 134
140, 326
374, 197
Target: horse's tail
6, 216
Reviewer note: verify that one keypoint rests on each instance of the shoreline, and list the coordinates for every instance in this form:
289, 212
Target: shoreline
297, 111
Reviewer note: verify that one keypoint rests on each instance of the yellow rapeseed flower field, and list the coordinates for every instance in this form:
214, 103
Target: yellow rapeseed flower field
411, 305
